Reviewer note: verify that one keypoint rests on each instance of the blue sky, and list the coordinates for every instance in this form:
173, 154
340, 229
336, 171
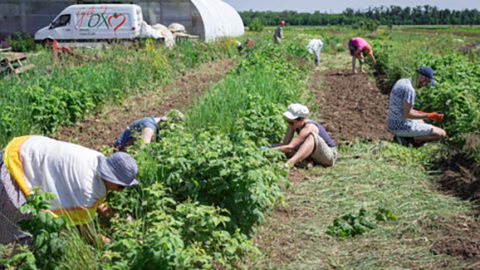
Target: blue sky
340, 5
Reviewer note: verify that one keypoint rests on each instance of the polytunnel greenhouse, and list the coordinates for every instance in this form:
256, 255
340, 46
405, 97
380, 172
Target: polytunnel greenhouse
209, 19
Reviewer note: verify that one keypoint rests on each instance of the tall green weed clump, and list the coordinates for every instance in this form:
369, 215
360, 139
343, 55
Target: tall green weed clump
264, 74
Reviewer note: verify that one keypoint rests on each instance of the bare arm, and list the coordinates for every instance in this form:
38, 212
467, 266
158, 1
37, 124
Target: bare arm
104, 211
288, 135
297, 141
147, 135
373, 59
410, 113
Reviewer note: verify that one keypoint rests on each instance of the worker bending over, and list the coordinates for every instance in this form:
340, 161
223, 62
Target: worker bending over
358, 47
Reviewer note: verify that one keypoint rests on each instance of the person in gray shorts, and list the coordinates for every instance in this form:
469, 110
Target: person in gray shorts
312, 141
406, 123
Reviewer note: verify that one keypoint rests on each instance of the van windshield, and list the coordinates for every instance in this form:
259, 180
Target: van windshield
61, 21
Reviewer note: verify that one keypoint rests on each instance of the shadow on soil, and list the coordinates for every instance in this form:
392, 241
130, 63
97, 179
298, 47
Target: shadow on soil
461, 178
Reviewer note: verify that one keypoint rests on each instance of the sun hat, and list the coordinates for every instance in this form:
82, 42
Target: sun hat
295, 111
119, 168
427, 72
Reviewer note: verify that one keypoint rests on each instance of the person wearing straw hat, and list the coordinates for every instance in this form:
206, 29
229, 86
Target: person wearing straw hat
406, 123
80, 179
358, 47
312, 141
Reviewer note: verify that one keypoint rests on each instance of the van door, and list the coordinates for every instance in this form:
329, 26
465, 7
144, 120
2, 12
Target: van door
61, 27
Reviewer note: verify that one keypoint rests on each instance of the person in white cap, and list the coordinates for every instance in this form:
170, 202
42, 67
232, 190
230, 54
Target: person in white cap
80, 179
314, 47
312, 141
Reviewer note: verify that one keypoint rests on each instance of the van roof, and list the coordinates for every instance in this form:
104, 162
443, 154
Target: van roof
116, 6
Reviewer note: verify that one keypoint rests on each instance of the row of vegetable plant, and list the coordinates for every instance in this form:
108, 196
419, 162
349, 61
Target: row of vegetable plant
55, 95
205, 183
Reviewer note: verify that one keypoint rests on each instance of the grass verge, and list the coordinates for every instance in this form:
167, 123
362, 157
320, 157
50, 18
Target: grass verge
366, 176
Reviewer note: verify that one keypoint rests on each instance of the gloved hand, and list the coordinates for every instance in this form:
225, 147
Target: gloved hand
264, 148
434, 116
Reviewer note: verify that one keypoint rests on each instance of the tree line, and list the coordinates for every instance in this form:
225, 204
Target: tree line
393, 15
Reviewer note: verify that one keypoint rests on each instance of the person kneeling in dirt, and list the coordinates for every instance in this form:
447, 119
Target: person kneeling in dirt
147, 127
357, 47
406, 123
80, 179
314, 47
312, 142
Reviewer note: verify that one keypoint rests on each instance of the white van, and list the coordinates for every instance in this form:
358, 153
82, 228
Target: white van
93, 23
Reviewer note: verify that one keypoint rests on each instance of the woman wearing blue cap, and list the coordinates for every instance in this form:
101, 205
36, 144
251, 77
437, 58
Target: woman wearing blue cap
80, 179
406, 123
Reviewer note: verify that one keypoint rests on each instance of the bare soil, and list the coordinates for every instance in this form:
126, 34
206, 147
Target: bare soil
462, 238
102, 129
460, 177
351, 107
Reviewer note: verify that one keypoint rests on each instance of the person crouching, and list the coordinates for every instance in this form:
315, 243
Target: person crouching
312, 141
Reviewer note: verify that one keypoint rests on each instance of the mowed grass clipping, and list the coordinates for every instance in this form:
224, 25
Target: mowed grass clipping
366, 176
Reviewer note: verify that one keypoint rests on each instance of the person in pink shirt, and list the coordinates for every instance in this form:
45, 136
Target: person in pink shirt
358, 47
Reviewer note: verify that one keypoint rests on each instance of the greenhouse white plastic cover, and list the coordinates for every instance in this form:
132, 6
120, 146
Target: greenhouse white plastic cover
219, 19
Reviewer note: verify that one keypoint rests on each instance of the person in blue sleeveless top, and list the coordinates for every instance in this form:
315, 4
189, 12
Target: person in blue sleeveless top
146, 126
312, 141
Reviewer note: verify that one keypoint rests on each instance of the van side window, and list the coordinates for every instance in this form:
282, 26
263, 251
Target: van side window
61, 21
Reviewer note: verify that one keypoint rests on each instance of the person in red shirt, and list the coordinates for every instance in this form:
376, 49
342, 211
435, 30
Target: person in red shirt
57, 50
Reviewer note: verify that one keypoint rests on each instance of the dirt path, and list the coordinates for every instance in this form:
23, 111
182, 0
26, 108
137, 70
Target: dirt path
102, 129
352, 107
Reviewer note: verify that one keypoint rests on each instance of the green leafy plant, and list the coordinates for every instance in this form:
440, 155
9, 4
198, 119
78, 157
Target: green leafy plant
350, 225
45, 229
21, 42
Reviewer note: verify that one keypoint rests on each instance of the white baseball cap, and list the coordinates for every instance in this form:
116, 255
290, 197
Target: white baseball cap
295, 111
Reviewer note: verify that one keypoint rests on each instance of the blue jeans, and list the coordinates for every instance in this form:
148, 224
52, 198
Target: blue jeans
124, 138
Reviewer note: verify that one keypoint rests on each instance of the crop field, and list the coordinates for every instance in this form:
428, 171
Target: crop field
211, 198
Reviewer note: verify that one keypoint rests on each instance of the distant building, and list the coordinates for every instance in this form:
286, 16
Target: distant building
210, 19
